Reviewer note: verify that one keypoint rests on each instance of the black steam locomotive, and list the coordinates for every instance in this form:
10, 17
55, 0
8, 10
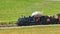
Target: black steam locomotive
43, 20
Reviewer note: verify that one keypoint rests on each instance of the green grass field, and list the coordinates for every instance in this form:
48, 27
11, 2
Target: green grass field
11, 10
32, 30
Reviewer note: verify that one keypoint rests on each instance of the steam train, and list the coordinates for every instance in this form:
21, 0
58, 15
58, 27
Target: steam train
43, 20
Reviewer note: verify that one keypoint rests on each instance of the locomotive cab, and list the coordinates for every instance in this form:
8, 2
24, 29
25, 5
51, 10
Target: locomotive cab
58, 18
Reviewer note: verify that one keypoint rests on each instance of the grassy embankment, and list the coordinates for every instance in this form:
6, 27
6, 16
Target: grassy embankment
11, 10
32, 30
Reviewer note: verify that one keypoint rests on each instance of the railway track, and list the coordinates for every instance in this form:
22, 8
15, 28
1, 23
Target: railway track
9, 25
15, 26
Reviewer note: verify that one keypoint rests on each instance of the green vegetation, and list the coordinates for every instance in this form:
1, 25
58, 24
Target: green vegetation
32, 30
11, 10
